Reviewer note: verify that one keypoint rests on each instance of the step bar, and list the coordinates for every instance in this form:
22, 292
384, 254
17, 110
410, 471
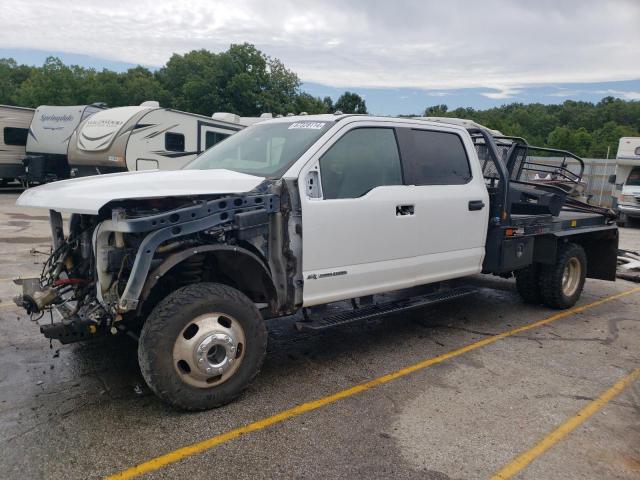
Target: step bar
380, 309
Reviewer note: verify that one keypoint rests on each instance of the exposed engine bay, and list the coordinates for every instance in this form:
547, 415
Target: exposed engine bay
104, 274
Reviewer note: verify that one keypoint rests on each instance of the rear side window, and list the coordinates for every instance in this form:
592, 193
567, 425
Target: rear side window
361, 160
438, 158
174, 142
211, 138
15, 136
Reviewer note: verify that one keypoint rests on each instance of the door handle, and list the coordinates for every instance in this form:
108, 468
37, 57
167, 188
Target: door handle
476, 205
403, 210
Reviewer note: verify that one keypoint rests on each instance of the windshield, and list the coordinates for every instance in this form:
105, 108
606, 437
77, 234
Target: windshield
264, 149
634, 177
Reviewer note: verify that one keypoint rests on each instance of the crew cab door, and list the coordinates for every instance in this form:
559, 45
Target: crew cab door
368, 229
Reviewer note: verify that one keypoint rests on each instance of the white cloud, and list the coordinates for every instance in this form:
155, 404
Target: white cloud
502, 93
565, 93
496, 44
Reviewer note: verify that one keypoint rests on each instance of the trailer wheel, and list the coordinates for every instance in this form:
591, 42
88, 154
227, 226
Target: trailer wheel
201, 346
561, 283
528, 285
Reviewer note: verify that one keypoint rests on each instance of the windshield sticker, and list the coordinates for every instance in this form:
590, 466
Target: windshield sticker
307, 125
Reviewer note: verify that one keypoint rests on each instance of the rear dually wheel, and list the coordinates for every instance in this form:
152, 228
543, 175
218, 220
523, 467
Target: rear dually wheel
561, 283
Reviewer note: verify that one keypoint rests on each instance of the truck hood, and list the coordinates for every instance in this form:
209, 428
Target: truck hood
88, 194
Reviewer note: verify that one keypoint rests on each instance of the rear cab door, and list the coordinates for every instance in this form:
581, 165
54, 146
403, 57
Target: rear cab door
452, 202
378, 215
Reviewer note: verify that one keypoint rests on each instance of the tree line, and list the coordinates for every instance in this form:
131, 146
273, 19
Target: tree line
245, 81
242, 80
584, 128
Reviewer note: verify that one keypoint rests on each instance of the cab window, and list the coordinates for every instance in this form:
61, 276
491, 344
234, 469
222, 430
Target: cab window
438, 158
363, 159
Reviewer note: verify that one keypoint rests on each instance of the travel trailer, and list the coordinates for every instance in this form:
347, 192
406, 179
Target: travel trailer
14, 129
49, 134
145, 137
627, 179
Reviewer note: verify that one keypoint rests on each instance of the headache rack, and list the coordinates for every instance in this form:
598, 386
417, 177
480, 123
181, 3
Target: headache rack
529, 164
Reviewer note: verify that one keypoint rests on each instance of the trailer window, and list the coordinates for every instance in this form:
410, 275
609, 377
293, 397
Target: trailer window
211, 138
15, 136
437, 158
174, 142
634, 177
358, 162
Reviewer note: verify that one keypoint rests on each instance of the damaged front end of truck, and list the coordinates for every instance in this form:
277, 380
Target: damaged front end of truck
109, 270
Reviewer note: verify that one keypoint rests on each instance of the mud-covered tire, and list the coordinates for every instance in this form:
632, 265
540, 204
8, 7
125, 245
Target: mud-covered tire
556, 291
167, 322
528, 285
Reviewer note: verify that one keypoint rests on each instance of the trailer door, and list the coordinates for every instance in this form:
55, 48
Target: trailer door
210, 134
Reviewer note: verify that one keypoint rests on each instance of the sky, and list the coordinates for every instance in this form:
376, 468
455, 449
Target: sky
400, 55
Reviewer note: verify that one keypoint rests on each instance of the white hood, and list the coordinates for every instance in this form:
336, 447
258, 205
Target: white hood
88, 194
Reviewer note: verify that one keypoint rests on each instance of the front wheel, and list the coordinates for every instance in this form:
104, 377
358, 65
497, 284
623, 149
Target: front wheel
201, 346
561, 283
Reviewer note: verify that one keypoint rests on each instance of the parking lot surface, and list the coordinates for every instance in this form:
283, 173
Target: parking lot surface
470, 403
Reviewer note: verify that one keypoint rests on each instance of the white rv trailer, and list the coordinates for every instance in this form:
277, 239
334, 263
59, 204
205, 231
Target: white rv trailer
627, 179
49, 134
145, 137
14, 129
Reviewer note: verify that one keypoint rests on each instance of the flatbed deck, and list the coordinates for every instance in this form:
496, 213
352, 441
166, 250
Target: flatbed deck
568, 220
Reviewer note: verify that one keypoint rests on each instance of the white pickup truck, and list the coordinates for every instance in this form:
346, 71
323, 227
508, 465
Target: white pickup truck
293, 213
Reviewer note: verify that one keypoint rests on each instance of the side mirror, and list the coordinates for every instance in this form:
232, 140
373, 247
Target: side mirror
612, 178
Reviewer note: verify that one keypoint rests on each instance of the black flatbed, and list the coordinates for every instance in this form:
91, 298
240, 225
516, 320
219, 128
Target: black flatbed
567, 221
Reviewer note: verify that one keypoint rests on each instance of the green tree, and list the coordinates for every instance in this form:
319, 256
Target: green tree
436, 111
54, 83
328, 105
350, 102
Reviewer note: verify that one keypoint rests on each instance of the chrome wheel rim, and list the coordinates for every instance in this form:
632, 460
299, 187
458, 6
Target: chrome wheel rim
571, 276
209, 350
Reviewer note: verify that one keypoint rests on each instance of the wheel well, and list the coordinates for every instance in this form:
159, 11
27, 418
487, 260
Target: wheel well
232, 266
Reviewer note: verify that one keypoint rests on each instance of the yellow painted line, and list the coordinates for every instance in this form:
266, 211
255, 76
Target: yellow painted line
199, 447
8, 305
522, 461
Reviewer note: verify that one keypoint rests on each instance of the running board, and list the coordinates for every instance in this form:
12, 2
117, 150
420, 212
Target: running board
380, 309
